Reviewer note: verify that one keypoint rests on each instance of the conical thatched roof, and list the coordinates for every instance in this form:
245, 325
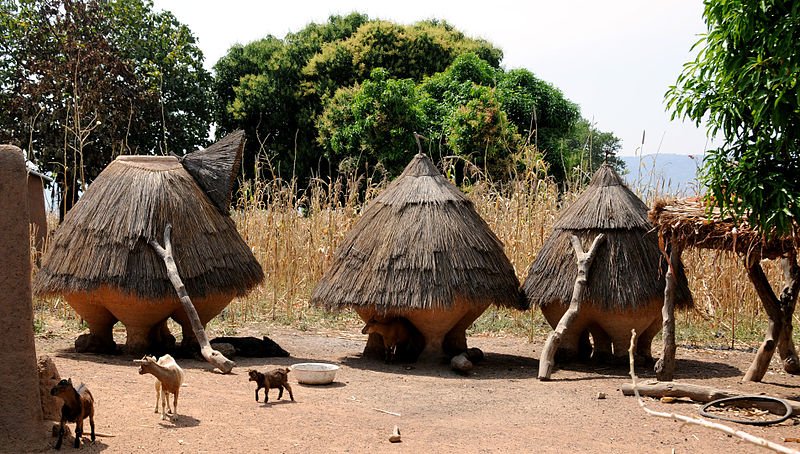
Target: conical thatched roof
628, 270
607, 203
419, 245
216, 167
103, 239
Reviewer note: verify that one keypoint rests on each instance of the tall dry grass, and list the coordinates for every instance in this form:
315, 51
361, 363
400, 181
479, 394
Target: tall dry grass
294, 233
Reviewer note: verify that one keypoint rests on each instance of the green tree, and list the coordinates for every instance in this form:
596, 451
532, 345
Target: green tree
372, 122
585, 148
744, 84
169, 65
465, 115
541, 114
506, 111
260, 88
406, 51
73, 118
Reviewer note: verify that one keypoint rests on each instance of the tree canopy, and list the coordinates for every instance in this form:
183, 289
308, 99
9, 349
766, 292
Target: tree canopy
744, 85
84, 81
357, 89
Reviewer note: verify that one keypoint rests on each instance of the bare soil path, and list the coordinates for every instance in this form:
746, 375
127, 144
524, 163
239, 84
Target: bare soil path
501, 407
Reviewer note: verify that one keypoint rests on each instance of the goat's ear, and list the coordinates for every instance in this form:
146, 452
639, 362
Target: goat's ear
69, 380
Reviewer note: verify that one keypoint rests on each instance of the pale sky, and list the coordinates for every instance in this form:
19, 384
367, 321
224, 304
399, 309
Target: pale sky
614, 58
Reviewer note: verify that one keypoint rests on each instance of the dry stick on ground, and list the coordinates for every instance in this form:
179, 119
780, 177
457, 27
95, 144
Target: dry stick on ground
212, 356
697, 393
779, 311
584, 260
700, 422
665, 367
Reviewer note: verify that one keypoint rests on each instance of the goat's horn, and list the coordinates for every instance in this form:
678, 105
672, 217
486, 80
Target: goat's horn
139, 361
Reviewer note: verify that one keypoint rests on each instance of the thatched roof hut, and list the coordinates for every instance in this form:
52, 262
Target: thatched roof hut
103, 240
419, 245
629, 267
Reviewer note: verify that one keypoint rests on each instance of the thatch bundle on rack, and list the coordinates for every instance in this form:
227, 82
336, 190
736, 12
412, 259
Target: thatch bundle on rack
420, 251
626, 284
691, 222
100, 261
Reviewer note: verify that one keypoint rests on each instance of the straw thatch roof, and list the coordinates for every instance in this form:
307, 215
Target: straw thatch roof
103, 239
691, 223
419, 245
216, 167
628, 270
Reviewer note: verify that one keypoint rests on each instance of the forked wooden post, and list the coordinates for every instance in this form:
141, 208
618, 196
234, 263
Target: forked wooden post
665, 367
584, 260
779, 311
212, 356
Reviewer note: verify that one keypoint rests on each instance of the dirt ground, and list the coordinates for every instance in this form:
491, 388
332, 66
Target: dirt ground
501, 407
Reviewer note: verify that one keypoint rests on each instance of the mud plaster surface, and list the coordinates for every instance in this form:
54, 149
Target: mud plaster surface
19, 383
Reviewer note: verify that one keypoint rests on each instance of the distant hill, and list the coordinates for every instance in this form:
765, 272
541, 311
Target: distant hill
663, 173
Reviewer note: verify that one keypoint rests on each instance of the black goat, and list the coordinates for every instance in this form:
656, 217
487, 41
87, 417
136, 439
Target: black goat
253, 347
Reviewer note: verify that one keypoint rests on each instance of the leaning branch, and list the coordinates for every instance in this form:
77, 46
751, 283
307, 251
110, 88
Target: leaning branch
212, 356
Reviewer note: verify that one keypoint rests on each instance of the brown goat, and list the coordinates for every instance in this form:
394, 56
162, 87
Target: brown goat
78, 404
276, 378
394, 331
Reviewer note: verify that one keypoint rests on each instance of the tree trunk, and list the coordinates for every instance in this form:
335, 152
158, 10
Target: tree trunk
212, 356
584, 260
665, 367
791, 276
779, 311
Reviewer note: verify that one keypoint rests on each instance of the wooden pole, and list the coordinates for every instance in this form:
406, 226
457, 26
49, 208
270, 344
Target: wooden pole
584, 260
665, 367
212, 356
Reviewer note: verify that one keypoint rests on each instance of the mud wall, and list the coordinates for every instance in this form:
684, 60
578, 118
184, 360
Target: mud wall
21, 417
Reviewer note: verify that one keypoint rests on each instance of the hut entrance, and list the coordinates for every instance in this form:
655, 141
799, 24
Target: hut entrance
685, 224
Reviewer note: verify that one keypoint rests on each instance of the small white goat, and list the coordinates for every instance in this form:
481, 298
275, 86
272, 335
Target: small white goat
169, 377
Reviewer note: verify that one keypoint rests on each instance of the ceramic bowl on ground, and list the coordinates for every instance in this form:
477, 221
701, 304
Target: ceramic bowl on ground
314, 373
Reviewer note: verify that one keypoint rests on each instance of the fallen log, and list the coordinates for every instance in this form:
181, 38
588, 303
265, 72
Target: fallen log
212, 356
697, 393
